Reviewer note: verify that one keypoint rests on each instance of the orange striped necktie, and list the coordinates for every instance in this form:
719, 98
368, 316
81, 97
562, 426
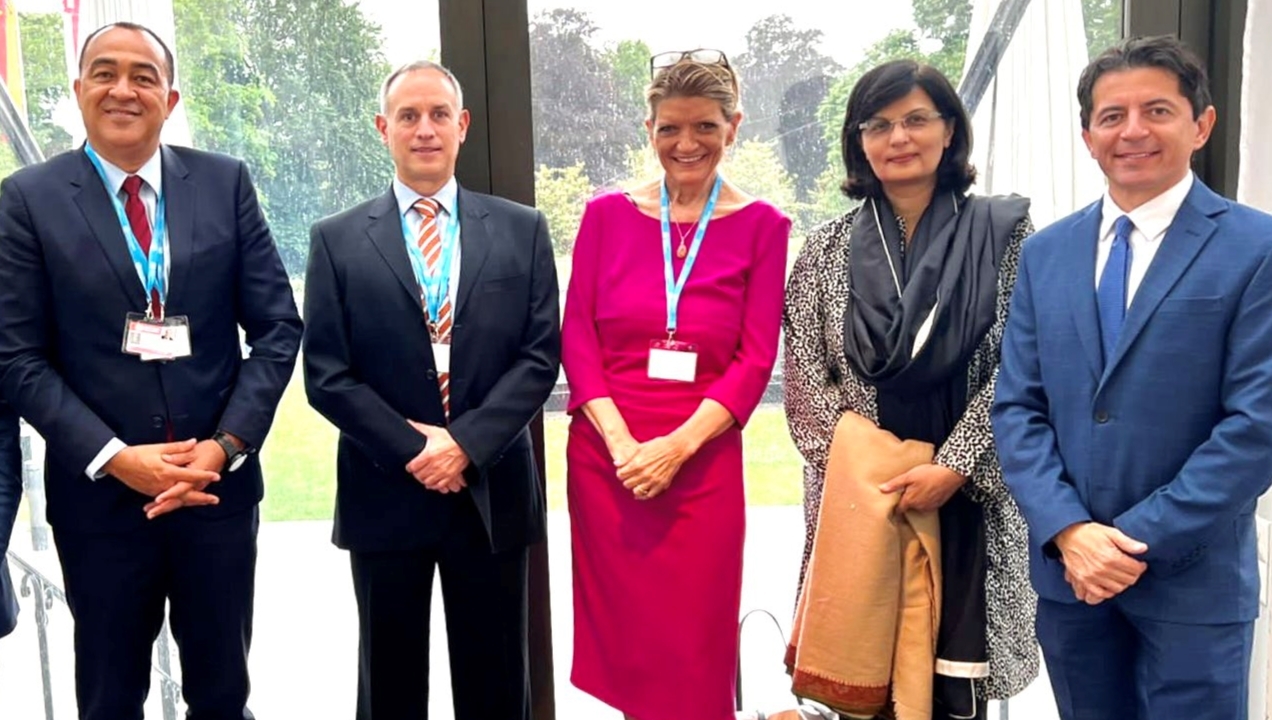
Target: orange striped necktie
430, 242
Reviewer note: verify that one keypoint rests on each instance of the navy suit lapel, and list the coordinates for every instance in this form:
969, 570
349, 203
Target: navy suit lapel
94, 202
475, 238
180, 197
1187, 235
1081, 267
385, 231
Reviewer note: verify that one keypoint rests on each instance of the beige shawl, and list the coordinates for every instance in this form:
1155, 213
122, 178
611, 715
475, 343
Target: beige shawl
866, 624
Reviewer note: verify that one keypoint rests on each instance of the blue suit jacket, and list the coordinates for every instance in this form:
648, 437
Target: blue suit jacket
10, 495
66, 284
1170, 439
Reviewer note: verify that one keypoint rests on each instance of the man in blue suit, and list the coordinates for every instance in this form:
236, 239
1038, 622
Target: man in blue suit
1133, 414
10, 495
128, 269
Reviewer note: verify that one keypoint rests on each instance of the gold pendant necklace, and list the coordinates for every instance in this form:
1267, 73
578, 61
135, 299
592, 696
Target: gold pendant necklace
682, 251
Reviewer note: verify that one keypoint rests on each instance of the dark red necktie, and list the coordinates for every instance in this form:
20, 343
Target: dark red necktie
136, 212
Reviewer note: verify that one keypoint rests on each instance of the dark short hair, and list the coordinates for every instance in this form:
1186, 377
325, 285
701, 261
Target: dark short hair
880, 87
170, 63
1160, 51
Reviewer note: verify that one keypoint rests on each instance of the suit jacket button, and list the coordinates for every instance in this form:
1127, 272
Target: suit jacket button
1101, 417
156, 421
431, 375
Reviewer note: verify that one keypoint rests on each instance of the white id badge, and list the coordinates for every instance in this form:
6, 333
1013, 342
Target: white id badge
441, 357
673, 360
150, 339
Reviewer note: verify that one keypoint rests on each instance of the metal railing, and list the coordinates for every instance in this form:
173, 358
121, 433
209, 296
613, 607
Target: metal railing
44, 592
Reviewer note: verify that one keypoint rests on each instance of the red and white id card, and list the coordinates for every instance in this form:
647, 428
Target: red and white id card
151, 339
673, 360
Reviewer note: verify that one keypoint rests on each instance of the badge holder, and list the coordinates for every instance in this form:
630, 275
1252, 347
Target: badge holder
670, 359
441, 352
152, 339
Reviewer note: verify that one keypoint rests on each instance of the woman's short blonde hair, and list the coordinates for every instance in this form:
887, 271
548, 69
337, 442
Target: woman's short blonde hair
688, 78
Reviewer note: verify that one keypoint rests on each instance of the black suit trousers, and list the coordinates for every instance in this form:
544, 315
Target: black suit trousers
116, 586
484, 594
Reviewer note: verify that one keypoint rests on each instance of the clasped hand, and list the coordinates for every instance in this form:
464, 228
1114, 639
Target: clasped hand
1099, 560
648, 468
175, 474
440, 465
924, 488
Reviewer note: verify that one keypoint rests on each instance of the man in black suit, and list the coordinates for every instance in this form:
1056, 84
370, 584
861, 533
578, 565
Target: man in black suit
433, 339
10, 496
127, 269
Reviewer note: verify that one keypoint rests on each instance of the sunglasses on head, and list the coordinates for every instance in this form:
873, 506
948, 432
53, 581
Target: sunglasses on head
664, 60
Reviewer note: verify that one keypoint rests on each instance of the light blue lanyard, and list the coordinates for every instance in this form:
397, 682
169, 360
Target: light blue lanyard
435, 286
676, 285
150, 268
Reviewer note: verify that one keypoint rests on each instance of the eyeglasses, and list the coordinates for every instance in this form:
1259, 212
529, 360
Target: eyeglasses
664, 60
914, 122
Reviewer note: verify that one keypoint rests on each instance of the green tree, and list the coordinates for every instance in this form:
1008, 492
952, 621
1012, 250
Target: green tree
784, 76
630, 62
224, 97
44, 72
1103, 22
944, 23
829, 201
321, 62
8, 159
583, 106
561, 194
756, 168
291, 86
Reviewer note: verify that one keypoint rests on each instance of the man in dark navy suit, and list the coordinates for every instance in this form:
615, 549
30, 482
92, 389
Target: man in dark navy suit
1133, 414
127, 270
433, 339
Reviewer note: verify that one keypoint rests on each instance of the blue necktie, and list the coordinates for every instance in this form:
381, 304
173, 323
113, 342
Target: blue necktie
1110, 296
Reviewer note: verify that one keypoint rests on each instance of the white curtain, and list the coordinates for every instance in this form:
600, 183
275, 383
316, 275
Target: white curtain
1026, 132
154, 14
1254, 187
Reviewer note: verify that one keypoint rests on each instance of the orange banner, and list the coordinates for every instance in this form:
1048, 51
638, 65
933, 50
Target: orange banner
11, 54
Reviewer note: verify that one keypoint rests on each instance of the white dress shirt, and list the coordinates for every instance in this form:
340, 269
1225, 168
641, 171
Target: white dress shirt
1151, 221
151, 174
448, 200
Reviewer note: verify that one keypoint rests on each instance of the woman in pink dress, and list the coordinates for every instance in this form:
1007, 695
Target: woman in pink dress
670, 335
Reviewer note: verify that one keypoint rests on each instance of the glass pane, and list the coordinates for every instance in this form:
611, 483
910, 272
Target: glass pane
292, 88
589, 65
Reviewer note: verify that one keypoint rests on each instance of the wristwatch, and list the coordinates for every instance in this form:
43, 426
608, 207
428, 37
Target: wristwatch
234, 457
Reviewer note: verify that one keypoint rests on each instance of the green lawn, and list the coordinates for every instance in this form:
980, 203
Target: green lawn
300, 458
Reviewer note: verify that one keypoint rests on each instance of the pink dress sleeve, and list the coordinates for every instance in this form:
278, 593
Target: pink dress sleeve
742, 386
580, 344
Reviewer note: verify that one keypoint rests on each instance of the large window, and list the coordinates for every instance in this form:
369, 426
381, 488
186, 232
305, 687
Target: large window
291, 87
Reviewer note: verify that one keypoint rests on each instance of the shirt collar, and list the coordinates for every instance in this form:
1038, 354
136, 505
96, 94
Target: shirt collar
151, 172
1153, 217
446, 197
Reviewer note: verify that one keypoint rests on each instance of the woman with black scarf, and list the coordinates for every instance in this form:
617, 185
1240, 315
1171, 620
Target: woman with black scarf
895, 311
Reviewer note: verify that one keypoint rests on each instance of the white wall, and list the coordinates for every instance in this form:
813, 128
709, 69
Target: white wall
1255, 188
